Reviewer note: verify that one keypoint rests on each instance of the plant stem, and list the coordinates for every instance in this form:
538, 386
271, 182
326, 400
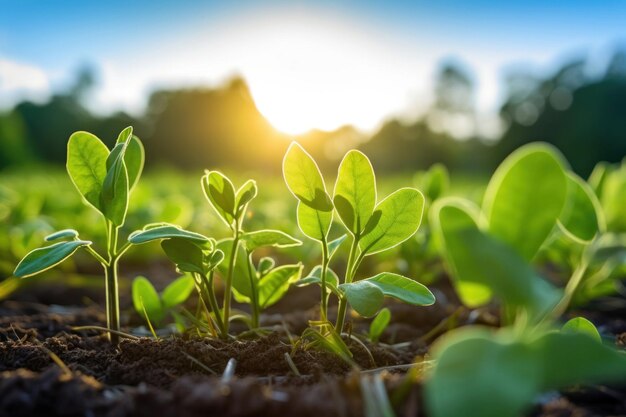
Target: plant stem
324, 306
353, 262
209, 294
255, 294
570, 290
229, 278
112, 287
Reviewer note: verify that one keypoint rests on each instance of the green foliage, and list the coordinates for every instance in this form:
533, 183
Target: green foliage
525, 198
154, 307
42, 259
274, 238
304, 179
581, 217
512, 370
364, 297
314, 223
62, 234
159, 231
379, 324
583, 326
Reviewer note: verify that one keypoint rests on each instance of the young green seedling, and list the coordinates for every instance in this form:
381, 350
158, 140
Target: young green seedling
262, 287
374, 227
155, 307
379, 324
105, 180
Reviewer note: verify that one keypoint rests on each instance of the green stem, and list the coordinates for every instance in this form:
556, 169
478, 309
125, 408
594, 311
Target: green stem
255, 295
209, 294
229, 278
324, 307
570, 290
112, 287
353, 262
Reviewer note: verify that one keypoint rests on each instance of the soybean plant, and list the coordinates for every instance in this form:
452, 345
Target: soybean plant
105, 180
374, 226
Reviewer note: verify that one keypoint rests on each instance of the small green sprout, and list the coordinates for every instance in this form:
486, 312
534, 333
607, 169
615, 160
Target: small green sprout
375, 226
105, 180
155, 307
379, 324
260, 286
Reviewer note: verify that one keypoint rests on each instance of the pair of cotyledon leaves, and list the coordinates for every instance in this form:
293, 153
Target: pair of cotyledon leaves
104, 178
489, 249
378, 226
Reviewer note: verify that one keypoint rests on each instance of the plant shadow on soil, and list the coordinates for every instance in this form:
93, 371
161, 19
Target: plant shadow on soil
182, 375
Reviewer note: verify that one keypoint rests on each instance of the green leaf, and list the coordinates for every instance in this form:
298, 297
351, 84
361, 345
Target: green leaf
187, 256
61, 234
315, 277
477, 258
265, 265
399, 218
275, 238
276, 283
304, 179
216, 258
513, 371
166, 231
363, 296
334, 245
42, 259
583, 326
220, 192
115, 187
86, 165
355, 191
379, 324
246, 193
403, 289
177, 291
314, 223
525, 198
581, 217
146, 298
434, 182
134, 160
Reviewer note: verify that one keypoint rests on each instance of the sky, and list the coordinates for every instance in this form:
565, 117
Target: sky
318, 64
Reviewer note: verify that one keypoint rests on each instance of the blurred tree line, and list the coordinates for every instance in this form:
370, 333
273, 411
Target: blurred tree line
581, 114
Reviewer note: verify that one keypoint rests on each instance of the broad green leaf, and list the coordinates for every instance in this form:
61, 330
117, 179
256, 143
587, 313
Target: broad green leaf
166, 231
314, 223
86, 165
379, 324
61, 234
479, 375
525, 198
334, 245
246, 193
115, 187
146, 298
304, 179
363, 296
187, 256
403, 289
513, 371
42, 259
396, 219
583, 326
581, 218
243, 273
134, 160
220, 192
276, 283
355, 191
576, 358
477, 258
177, 291
315, 277
275, 238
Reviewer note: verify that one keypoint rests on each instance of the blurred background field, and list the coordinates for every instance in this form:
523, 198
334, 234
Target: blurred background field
213, 86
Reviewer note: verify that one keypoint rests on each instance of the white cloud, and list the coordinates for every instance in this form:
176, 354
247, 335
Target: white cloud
21, 81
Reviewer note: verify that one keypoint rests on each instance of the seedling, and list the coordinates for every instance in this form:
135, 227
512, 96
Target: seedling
105, 180
260, 286
379, 324
155, 307
374, 227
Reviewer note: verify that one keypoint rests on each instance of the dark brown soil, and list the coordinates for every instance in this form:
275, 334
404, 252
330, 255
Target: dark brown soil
48, 369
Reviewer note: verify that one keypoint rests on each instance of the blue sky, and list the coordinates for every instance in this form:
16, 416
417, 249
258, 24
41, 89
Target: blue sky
325, 47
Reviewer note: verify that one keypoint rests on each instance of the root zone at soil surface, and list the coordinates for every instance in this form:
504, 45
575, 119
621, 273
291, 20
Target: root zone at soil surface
49, 369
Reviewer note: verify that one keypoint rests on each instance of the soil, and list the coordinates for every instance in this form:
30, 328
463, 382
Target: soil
49, 369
